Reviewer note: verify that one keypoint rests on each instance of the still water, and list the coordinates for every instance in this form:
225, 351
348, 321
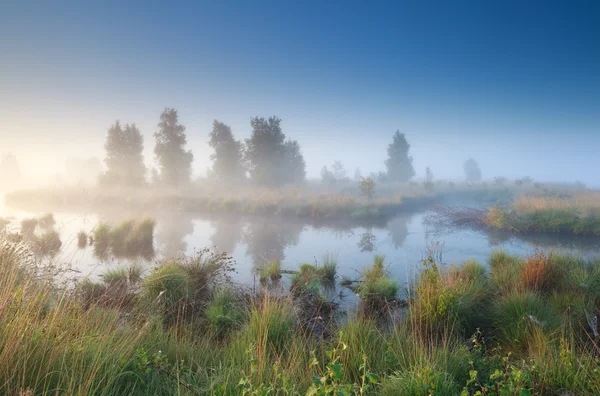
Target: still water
252, 241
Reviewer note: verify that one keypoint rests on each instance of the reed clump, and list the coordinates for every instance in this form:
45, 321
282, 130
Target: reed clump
130, 239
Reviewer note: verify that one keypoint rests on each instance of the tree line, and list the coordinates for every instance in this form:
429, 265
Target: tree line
266, 158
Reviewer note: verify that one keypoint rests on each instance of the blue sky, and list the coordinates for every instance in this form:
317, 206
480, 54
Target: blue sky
514, 84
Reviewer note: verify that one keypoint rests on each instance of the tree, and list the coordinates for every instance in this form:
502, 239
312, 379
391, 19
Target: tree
124, 159
428, 184
399, 162
175, 163
228, 158
294, 168
472, 170
327, 175
367, 187
357, 174
271, 159
337, 174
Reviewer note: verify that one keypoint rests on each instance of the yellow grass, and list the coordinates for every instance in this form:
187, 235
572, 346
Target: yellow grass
582, 201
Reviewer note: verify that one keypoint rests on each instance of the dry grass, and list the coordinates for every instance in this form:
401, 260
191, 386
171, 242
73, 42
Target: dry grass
586, 201
541, 274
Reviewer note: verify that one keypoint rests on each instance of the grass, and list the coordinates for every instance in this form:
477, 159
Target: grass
130, 239
271, 270
377, 290
314, 279
189, 330
82, 240
314, 201
574, 214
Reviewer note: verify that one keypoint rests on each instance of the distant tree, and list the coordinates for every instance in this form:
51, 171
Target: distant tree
294, 168
271, 159
327, 176
124, 159
228, 158
339, 172
367, 187
10, 172
357, 175
472, 170
399, 163
428, 184
175, 163
500, 180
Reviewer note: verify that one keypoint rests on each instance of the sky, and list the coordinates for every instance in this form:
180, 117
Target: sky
514, 84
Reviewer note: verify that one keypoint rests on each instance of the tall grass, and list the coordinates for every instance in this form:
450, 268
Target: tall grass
576, 214
129, 239
189, 330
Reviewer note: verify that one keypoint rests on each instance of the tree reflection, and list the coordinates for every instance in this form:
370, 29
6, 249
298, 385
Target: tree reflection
228, 232
267, 238
171, 233
398, 229
367, 241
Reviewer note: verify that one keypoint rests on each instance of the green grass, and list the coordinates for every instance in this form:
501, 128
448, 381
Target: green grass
315, 279
189, 330
271, 270
130, 239
376, 290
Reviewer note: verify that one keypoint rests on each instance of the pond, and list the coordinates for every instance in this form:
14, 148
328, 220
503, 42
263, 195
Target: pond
252, 241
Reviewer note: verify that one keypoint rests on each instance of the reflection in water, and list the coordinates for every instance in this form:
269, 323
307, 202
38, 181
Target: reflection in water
367, 241
171, 233
267, 239
228, 232
398, 229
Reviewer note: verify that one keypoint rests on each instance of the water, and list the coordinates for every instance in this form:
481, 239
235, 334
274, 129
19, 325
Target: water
252, 241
